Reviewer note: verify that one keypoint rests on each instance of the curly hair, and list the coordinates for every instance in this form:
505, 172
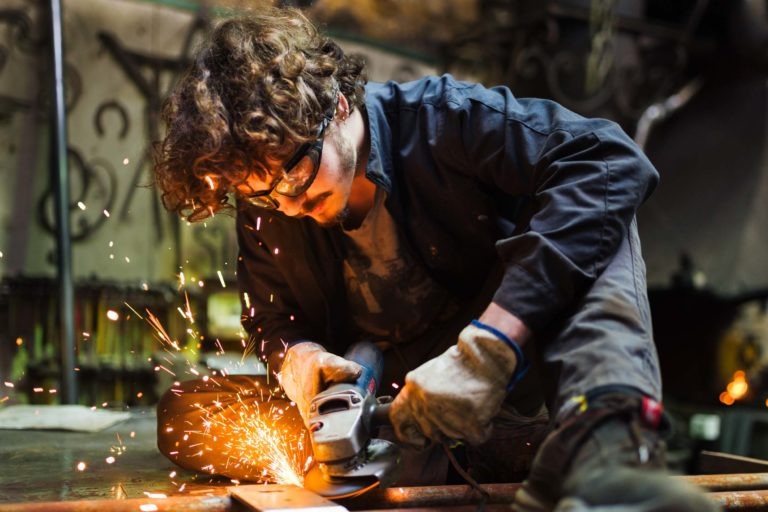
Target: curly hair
257, 89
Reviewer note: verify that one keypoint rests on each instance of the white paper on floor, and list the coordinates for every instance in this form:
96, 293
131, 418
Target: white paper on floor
59, 417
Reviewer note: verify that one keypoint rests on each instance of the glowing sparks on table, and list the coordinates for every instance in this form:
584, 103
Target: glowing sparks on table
251, 437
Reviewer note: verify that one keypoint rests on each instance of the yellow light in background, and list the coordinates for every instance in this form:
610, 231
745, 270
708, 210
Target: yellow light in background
736, 389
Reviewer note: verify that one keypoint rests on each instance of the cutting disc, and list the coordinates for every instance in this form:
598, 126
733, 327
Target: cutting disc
379, 465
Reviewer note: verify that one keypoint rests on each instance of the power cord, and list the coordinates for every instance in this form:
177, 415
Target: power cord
484, 495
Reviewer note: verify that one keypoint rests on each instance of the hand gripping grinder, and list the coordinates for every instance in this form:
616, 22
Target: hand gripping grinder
342, 419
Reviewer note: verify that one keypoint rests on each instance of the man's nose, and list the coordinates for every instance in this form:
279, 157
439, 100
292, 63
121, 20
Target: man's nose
291, 206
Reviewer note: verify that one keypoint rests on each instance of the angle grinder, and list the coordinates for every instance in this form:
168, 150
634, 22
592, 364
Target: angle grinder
348, 461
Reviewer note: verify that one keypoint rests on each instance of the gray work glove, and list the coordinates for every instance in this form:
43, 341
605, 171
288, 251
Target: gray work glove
309, 369
458, 393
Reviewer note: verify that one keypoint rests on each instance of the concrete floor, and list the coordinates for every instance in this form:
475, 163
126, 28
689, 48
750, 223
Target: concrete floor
42, 465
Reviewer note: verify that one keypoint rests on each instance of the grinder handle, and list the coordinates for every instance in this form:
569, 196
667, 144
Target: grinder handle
380, 415
367, 355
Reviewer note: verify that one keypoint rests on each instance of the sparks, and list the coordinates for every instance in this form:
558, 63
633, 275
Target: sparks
210, 182
255, 440
81, 466
189, 309
81, 205
221, 279
106, 213
160, 331
113, 315
134, 311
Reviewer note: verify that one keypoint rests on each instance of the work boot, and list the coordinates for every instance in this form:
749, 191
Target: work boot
608, 458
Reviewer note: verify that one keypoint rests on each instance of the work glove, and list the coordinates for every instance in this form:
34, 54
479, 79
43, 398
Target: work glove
309, 369
458, 393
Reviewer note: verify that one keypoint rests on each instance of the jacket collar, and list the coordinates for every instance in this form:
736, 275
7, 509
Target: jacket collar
379, 167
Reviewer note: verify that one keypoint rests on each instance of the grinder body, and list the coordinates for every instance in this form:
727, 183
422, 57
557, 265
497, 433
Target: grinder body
342, 419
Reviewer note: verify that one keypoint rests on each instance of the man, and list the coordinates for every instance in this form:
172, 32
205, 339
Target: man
486, 243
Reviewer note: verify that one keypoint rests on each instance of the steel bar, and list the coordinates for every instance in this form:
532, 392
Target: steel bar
742, 500
739, 492
217, 503
733, 482
60, 176
431, 496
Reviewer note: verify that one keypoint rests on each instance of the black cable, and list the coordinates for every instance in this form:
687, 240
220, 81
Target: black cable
484, 495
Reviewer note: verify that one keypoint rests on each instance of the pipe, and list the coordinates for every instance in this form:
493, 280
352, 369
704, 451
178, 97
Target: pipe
741, 500
60, 177
729, 482
741, 492
219, 503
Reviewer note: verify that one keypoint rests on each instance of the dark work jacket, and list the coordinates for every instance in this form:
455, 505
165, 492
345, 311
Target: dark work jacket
476, 179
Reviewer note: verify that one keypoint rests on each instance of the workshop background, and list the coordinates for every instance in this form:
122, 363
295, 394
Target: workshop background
686, 78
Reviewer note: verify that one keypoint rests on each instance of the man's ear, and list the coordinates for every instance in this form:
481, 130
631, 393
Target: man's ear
342, 108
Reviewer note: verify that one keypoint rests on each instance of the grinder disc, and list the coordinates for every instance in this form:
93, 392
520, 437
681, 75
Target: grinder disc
378, 465
337, 487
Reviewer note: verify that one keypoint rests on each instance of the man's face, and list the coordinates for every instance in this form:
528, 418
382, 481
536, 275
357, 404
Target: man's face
326, 199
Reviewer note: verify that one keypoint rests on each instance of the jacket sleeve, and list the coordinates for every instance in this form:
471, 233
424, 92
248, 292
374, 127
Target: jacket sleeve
270, 312
582, 179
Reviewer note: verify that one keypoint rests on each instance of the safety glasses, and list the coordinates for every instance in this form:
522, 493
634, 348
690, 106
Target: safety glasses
299, 172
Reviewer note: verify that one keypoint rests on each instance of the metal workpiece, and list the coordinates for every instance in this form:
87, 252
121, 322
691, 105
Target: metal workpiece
282, 498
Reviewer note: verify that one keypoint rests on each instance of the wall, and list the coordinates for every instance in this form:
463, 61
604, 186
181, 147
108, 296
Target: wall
129, 254
120, 231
